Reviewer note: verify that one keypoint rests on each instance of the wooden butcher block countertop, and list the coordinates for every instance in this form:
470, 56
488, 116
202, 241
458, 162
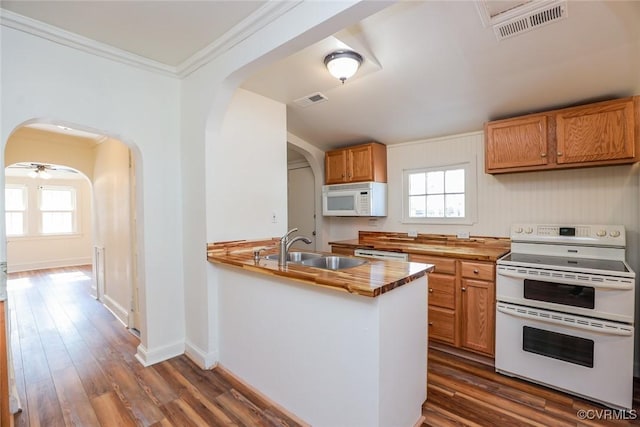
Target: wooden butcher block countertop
371, 279
475, 248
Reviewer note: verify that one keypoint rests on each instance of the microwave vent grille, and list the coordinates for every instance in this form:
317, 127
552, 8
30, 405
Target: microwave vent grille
348, 187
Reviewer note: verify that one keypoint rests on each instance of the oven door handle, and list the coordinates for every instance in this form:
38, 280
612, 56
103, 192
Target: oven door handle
524, 313
567, 281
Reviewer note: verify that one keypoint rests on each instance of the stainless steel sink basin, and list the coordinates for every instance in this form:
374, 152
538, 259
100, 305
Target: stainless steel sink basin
334, 262
295, 256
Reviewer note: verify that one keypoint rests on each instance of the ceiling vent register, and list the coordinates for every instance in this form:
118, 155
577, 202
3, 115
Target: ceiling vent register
314, 98
525, 17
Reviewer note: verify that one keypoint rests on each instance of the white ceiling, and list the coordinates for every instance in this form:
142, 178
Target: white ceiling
169, 32
431, 68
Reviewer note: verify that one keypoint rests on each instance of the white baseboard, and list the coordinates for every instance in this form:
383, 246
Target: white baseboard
121, 313
150, 357
201, 358
53, 263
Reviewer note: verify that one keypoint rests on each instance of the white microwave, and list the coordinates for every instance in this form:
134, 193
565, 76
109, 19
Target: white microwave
358, 199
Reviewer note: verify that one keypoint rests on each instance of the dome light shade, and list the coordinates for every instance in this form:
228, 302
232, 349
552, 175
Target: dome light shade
343, 64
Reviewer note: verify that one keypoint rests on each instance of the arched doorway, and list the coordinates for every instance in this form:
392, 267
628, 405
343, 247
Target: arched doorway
101, 222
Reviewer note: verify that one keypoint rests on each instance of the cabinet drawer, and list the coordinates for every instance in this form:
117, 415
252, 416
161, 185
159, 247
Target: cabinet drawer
442, 265
441, 324
342, 250
478, 270
442, 290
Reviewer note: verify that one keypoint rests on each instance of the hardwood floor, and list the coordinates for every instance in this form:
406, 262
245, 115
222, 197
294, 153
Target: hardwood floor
75, 366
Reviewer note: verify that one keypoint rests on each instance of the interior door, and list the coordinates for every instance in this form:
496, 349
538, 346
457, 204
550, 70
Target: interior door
302, 205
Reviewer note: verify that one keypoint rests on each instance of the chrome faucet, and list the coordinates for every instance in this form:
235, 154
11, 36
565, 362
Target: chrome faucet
285, 245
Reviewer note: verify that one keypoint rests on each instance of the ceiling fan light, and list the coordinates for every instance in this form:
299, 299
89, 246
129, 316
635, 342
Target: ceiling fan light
33, 174
343, 64
44, 174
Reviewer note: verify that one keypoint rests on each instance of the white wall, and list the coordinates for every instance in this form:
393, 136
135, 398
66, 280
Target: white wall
602, 195
206, 94
48, 81
112, 213
250, 171
33, 252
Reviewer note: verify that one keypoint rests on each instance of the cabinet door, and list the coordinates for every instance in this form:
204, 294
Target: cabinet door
596, 133
442, 324
335, 167
360, 163
478, 315
516, 143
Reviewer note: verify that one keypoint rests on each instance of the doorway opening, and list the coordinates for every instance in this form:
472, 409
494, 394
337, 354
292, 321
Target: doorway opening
301, 197
70, 201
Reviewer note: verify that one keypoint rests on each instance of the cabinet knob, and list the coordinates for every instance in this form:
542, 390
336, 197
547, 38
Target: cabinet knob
430, 323
464, 289
559, 153
430, 289
475, 271
543, 155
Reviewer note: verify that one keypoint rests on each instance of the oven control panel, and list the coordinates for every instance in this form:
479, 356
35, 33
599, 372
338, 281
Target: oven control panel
613, 235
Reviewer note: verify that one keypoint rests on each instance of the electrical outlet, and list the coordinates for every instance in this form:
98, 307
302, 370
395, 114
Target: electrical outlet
373, 222
462, 235
274, 218
412, 233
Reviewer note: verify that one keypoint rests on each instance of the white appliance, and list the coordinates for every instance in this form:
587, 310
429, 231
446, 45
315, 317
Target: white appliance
565, 310
388, 255
357, 199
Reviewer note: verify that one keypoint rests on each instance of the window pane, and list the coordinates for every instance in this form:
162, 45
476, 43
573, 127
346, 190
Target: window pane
417, 184
454, 205
56, 200
435, 206
57, 222
435, 182
454, 181
14, 223
14, 199
417, 206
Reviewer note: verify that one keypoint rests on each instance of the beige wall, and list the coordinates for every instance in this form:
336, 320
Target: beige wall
34, 252
113, 234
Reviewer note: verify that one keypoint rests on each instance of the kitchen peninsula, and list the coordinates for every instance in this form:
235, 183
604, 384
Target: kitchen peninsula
345, 347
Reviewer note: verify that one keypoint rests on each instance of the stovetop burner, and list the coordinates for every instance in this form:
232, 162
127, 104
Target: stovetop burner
602, 265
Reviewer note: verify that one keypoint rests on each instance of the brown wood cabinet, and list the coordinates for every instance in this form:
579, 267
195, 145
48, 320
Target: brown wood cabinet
461, 303
366, 162
478, 306
603, 133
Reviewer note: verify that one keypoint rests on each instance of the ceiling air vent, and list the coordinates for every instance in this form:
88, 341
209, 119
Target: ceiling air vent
314, 98
510, 18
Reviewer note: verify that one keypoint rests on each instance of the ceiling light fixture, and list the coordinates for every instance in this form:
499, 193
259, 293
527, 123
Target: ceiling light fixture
39, 172
343, 64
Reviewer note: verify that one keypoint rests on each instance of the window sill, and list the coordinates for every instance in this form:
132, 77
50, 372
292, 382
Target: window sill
31, 237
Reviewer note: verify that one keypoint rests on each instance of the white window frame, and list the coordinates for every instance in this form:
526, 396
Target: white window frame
470, 195
24, 211
73, 211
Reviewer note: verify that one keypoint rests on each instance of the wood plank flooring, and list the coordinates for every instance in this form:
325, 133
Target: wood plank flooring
75, 366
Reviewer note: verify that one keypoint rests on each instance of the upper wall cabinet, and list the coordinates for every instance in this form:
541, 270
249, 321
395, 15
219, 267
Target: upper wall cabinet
604, 133
366, 162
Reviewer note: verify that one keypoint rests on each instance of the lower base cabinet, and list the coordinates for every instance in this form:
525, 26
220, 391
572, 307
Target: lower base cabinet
461, 303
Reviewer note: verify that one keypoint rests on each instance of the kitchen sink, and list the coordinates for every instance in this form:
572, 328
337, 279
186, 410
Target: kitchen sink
296, 257
333, 262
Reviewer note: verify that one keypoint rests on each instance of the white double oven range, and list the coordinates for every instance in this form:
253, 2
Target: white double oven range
565, 310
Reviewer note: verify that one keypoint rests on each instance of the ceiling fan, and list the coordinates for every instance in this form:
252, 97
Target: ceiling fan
39, 170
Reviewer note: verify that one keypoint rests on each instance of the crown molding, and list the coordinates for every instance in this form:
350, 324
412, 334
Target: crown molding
257, 20
85, 44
